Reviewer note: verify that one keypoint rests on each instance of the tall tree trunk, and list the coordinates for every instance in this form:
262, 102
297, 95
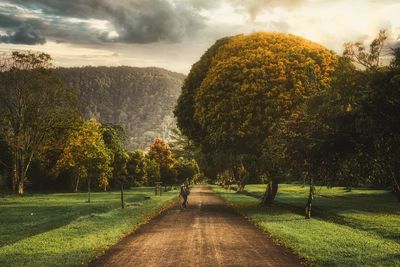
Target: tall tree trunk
21, 187
270, 192
240, 187
396, 183
14, 175
88, 184
122, 195
76, 183
24, 166
241, 184
349, 180
15, 163
396, 188
310, 199
20, 174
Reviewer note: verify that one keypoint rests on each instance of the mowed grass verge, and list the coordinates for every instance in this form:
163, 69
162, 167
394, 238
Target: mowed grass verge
64, 230
358, 228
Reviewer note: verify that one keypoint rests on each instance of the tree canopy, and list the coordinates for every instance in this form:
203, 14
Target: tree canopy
87, 155
34, 103
160, 152
243, 83
243, 86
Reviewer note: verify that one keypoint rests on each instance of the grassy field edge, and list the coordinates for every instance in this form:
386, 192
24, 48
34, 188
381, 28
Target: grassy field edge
318, 241
86, 238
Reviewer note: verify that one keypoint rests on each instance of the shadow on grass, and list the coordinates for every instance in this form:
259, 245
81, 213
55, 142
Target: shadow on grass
23, 220
327, 209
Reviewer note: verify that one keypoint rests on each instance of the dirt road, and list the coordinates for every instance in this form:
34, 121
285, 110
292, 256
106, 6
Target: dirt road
207, 233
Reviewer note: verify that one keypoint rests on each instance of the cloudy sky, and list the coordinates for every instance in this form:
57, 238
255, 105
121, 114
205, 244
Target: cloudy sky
173, 34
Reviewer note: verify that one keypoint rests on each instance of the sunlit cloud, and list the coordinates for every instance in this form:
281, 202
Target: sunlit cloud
174, 33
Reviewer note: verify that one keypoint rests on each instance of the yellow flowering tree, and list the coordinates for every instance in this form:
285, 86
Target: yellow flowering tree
161, 153
87, 156
244, 85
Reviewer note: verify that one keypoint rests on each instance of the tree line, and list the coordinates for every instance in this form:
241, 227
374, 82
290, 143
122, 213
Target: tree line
275, 107
141, 100
47, 145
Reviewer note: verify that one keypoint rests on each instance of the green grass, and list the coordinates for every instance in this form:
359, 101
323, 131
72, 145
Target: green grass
64, 230
358, 228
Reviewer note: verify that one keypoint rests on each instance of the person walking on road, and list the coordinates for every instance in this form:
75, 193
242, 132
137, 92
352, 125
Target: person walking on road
184, 194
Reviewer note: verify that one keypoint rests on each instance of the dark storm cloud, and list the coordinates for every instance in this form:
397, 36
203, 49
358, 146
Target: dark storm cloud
130, 21
23, 35
8, 21
20, 31
149, 21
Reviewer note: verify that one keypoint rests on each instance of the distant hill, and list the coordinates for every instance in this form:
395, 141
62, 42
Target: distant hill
139, 99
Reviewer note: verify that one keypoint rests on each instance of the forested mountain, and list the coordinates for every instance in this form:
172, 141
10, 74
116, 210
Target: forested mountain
141, 100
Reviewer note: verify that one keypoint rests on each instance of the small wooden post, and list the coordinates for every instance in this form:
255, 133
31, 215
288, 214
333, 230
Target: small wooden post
157, 188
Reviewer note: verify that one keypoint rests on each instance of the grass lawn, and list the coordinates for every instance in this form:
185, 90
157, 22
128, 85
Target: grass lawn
64, 230
358, 228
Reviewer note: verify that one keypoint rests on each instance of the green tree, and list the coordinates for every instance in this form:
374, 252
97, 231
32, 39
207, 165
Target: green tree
348, 134
87, 155
377, 105
5, 164
318, 141
185, 169
379, 122
136, 167
114, 136
152, 170
120, 173
33, 104
370, 59
182, 146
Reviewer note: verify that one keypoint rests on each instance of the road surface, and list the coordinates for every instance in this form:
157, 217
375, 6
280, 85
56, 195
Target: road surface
207, 233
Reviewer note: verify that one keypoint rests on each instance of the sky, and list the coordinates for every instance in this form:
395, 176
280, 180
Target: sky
173, 34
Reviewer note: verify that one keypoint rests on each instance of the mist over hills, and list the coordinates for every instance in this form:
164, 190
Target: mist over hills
141, 100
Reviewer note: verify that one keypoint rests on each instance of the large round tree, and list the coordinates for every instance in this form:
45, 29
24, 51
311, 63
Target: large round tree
243, 85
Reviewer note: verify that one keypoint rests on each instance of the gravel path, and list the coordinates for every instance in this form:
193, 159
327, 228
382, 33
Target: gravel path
207, 233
